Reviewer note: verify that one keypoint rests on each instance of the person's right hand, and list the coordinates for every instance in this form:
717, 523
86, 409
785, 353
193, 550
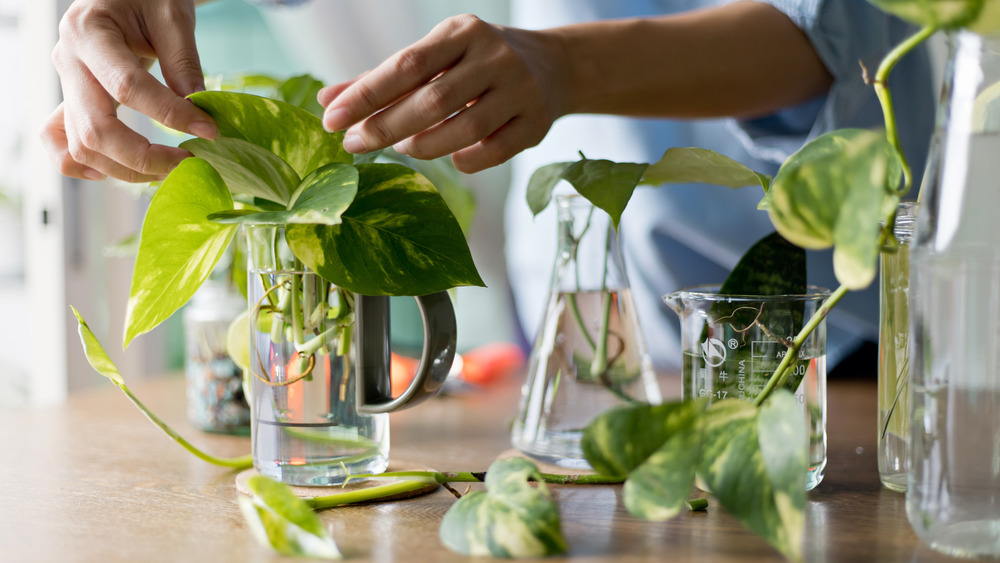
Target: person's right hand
102, 56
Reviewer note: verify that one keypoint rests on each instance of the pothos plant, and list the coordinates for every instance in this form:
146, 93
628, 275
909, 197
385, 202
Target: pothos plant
835, 192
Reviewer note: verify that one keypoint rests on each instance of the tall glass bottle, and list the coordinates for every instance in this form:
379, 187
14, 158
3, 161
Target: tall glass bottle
589, 354
953, 494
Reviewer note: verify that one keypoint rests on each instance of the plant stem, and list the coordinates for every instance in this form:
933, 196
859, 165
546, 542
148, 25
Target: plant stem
780, 374
364, 495
480, 476
885, 98
241, 462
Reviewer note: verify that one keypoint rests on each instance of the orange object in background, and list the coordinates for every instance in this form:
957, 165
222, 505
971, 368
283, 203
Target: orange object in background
491, 362
480, 366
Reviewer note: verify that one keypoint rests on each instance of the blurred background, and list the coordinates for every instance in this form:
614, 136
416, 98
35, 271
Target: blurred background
55, 232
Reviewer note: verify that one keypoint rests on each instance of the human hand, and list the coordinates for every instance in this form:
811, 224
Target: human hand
102, 56
477, 91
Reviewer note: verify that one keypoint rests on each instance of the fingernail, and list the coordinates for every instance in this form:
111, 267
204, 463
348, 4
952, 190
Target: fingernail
402, 147
92, 174
204, 129
354, 143
336, 119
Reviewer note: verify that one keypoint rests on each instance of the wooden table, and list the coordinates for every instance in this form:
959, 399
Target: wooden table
95, 481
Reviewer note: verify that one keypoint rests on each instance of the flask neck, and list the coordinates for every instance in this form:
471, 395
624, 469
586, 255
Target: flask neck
590, 252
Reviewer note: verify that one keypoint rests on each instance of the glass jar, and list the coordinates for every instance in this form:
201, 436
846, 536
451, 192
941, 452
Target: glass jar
953, 493
894, 353
215, 400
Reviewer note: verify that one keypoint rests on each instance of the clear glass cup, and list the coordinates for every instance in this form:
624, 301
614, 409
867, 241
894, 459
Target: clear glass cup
319, 368
733, 343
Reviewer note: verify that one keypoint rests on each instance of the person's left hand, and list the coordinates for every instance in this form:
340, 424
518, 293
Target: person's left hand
477, 91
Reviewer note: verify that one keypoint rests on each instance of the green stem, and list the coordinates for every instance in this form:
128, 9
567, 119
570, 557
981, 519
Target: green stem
480, 476
600, 363
885, 98
241, 462
364, 495
780, 374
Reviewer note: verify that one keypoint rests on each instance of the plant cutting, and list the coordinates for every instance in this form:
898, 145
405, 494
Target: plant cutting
814, 201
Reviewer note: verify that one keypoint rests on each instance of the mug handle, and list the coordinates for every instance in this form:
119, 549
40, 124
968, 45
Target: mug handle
437, 315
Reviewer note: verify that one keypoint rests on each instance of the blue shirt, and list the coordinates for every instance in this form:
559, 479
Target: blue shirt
678, 236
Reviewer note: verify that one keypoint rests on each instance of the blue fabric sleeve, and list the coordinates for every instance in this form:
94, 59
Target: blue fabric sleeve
845, 35
277, 2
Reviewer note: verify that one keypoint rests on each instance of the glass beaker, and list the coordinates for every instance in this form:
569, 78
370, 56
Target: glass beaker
894, 353
319, 364
589, 354
733, 343
953, 491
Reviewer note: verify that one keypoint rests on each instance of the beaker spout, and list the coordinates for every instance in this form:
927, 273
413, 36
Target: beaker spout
675, 301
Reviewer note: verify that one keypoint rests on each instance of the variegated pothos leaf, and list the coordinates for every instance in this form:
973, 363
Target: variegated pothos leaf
512, 518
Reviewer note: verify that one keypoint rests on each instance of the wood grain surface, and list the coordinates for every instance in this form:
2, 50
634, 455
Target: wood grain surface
93, 480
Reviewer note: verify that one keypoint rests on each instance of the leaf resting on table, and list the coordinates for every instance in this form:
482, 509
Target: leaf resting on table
512, 518
282, 521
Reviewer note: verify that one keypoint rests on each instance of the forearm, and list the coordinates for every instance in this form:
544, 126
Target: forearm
743, 59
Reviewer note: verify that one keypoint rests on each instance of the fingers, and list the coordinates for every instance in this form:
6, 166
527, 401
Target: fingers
100, 58
54, 140
427, 106
519, 134
120, 74
401, 74
461, 130
330, 93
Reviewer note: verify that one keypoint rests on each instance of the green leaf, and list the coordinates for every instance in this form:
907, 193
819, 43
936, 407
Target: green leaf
247, 168
621, 439
301, 91
448, 181
660, 487
179, 246
762, 497
608, 185
397, 238
284, 522
772, 266
939, 13
320, 199
541, 184
831, 192
688, 165
293, 134
95, 353
512, 518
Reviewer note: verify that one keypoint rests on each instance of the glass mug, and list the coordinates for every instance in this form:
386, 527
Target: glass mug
319, 368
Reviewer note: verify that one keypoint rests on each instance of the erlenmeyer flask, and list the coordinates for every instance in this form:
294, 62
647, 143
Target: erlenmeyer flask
588, 354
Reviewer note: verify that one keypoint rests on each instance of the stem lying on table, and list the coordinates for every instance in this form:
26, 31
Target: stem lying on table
242, 462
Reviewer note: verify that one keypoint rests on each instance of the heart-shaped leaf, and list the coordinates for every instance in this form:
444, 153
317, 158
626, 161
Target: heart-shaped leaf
692, 165
621, 439
247, 168
320, 199
831, 192
284, 522
762, 493
659, 488
608, 185
513, 518
178, 246
542, 183
293, 134
397, 238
